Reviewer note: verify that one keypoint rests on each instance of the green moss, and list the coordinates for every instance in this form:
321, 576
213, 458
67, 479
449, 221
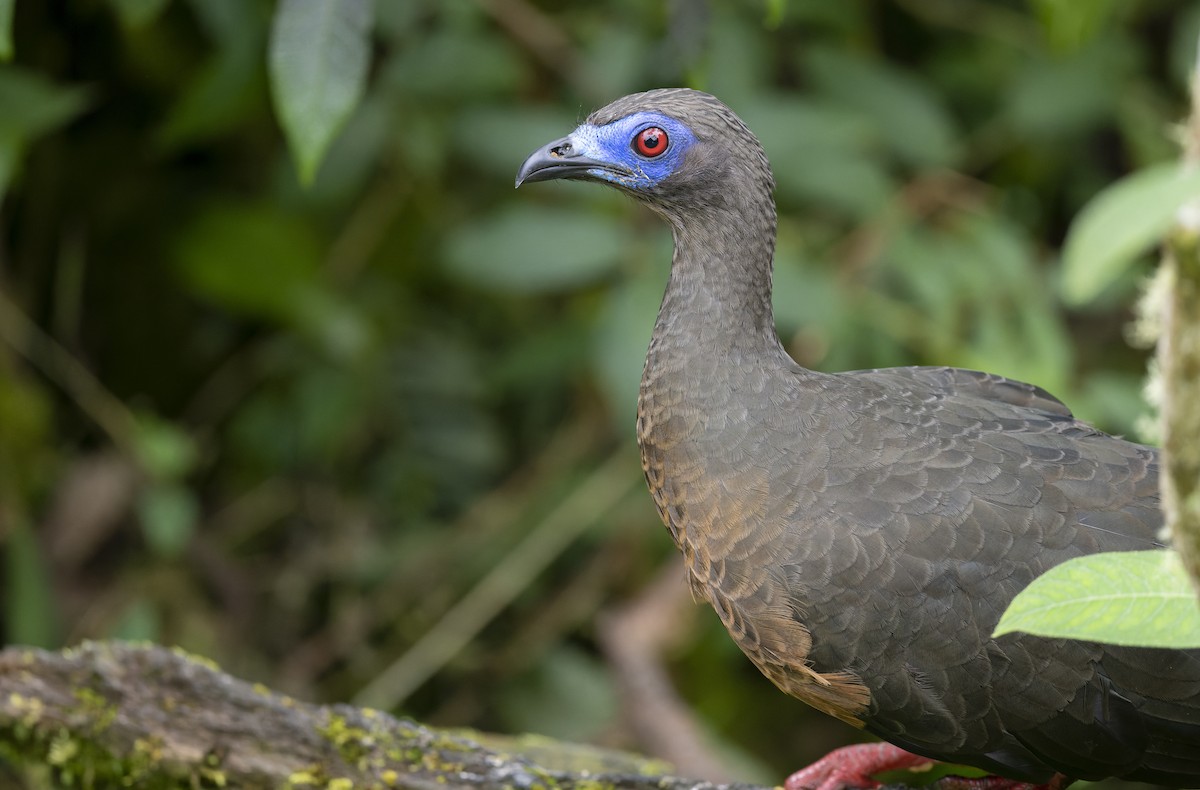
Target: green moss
196, 658
95, 708
62, 750
307, 777
65, 759
353, 744
30, 709
592, 784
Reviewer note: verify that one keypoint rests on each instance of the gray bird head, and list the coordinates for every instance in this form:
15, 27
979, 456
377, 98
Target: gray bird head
674, 148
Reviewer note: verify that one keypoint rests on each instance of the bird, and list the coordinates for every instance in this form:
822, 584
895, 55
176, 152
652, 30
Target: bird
860, 533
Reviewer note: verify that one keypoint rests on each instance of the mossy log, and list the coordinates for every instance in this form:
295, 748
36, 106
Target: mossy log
110, 714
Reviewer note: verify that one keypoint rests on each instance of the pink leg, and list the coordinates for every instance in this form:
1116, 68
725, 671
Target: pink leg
852, 767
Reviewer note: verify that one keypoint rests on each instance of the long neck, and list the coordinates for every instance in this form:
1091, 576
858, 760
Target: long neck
717, 305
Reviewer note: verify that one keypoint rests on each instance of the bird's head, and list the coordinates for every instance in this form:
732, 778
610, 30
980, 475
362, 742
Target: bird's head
674, 148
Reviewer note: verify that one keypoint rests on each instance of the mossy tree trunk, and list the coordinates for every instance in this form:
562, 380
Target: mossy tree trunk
1179, 364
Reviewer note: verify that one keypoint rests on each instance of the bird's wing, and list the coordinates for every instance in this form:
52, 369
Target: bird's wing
944, 494
971, 383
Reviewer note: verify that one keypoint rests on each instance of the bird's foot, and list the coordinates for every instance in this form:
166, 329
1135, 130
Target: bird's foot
853, 766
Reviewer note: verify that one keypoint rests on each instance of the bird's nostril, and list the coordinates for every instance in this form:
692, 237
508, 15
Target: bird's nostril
561, 150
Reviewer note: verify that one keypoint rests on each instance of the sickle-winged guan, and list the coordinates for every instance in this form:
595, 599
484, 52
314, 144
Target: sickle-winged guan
860, 533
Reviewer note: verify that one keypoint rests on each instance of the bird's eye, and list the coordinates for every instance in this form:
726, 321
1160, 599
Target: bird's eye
650, 142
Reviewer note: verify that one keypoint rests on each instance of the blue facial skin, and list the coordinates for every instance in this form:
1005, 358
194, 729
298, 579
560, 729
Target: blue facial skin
614, 143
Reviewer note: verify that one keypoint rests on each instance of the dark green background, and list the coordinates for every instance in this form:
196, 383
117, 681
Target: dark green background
290, 429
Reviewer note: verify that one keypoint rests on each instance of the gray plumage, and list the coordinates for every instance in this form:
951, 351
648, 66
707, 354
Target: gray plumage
860, 533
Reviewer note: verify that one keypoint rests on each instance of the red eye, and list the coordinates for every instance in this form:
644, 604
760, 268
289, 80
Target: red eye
650, 142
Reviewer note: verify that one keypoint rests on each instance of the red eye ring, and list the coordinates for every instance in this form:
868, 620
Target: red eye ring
651, 142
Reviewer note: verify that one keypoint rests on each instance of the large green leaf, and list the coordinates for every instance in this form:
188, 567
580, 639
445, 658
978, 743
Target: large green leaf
1138, 598
319, 57
532, 248
1121, 223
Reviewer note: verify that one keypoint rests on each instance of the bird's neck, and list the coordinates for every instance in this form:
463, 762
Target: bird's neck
718, 300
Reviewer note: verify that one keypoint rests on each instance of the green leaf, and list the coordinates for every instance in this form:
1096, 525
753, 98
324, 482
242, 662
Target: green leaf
30, 106
26, 439
164, 450
141, 621
908, 116
251, 259
1120, 224
217, 98
168, 514
260, 262
614, 58
736, 65
1135, 598
1056, 99
1070, 23
6, 42
319, 57
532, 248
821, 154
136, 14
29, 607
569, 693
449, 65
774, 14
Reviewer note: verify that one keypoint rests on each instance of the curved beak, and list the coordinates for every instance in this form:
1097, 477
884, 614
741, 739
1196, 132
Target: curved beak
560, 159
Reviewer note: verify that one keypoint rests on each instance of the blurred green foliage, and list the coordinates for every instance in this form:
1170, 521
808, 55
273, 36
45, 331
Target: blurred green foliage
293, 427
1121, 224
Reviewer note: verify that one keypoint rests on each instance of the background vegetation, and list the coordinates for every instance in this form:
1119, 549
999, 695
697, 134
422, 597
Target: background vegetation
373, 437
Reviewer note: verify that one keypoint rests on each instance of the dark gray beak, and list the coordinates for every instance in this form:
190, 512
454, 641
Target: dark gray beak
559, 159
